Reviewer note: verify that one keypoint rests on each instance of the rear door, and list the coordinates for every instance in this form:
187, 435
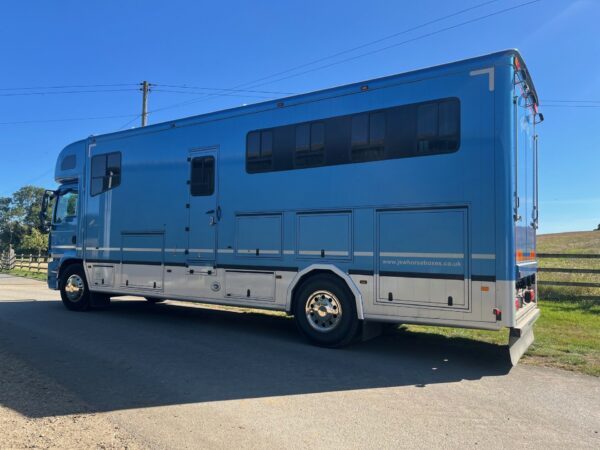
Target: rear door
204, 211
526, 208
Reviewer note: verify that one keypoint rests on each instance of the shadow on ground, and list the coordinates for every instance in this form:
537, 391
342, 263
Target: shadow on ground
135, 355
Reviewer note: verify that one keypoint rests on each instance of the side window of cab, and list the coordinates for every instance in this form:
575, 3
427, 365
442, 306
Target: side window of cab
66, 208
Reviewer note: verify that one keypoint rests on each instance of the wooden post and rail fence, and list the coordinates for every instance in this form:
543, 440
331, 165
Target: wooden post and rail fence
39, 264
35, 263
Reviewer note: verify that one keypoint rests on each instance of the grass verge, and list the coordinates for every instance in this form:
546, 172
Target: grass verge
567, 336
27, 274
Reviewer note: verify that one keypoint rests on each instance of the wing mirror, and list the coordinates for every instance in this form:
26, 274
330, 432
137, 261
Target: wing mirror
44, 222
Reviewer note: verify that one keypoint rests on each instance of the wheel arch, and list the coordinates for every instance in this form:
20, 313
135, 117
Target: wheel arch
67, 262
330, 269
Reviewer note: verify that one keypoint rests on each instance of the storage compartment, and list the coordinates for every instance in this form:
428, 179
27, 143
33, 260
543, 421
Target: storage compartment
103, 275
146, 276
142, 263
250, 285
324, 235
258, 235
423, 268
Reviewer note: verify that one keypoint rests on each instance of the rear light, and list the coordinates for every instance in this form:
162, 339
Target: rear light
498, 313
517, 303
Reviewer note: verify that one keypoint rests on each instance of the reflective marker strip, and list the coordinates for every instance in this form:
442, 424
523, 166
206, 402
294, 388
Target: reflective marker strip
483, 256
423, 255
260, 250
327, 252
225, 250
363, 253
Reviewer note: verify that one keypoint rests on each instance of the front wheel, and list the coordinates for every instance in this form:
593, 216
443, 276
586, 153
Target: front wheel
325, 311
74, 290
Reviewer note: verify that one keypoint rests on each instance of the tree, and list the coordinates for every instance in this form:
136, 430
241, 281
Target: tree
35, 241
19, 215
27, 202
598, 229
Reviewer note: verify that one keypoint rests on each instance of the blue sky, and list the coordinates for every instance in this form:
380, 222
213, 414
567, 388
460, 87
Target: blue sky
231, 43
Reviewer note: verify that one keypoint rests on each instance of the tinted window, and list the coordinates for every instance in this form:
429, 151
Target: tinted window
68, 162
377, 129
417, 129
106, 172
303, 137
203, 176
310, 143
360, 130
266, 144
259, 150
317, 137
253, 145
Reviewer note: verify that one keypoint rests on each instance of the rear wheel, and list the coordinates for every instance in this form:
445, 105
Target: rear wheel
74, 290
325, 311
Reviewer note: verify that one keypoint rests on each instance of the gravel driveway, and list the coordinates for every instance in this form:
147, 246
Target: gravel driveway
175, 376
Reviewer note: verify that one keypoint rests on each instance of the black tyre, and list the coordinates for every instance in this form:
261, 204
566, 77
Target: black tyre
74, 289
155, 300
325, 311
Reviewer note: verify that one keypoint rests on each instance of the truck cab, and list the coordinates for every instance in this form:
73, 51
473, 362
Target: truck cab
64, 244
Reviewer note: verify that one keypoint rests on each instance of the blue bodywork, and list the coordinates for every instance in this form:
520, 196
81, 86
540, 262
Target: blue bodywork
372, 217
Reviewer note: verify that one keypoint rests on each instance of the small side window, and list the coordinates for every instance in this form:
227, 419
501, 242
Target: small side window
203, 176
368, 136
106, 172
69, 162
438, 127
259, 151
310, 145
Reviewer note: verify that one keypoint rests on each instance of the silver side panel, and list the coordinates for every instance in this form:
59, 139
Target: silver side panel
273, 290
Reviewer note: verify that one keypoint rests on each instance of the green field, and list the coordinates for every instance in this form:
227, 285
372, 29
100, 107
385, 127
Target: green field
567, 335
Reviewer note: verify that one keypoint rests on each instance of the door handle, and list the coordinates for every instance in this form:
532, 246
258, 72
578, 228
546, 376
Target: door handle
218, 213
210, 211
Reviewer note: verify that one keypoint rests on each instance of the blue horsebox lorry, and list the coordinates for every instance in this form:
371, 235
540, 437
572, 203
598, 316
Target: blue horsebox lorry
405, 199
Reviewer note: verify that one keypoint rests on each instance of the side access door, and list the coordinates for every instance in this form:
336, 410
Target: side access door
204, 210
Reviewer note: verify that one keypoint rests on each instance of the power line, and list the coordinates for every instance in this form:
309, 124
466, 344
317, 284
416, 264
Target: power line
73, 119
252, 83
376, 41
73, 86
185, 86
220, 94
129, 122
16, 94
417, 38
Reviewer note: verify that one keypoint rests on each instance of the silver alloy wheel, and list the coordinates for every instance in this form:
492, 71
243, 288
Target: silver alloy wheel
323, 311
74, 288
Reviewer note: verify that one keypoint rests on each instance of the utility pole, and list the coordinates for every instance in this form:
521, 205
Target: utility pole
145, 89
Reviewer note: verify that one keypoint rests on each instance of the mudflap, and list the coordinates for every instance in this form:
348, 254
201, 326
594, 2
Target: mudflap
369, 330
521, 336
99, 301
